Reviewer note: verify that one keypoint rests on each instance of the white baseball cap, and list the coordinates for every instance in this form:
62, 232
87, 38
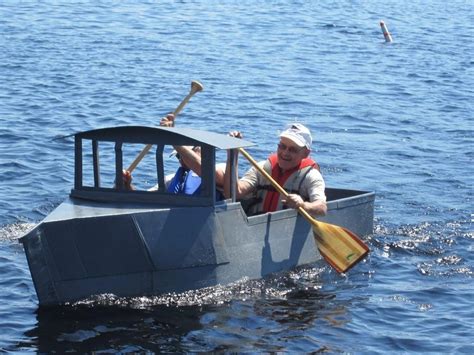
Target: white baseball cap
299, 134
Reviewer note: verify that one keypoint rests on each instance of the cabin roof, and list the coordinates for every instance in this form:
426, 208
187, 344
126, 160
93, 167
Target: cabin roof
167, 135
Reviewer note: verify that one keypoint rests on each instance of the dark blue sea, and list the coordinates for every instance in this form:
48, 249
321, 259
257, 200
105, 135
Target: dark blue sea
394, 118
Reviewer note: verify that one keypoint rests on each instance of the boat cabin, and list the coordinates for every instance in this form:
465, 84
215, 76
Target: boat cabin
102, 154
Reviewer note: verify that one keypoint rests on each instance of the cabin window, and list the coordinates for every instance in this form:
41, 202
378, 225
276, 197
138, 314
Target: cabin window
99, 161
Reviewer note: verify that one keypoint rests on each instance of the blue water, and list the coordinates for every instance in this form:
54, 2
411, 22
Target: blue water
394, 118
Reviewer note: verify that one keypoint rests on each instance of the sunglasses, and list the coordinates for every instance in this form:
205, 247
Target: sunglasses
291, 149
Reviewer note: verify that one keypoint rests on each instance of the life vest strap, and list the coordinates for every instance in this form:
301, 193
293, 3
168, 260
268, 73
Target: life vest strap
272, 197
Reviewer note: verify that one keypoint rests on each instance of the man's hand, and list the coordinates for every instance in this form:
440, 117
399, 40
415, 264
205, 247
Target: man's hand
127, 180
167, 121
293, 201
236, 134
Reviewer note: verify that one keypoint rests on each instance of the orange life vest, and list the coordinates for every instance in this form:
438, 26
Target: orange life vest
268, 199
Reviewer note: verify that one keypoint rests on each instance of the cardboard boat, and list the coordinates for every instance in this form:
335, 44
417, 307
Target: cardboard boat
138, 243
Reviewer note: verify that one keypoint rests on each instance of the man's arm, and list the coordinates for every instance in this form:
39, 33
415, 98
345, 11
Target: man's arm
315, 208
194, 162
314, 187
190, 157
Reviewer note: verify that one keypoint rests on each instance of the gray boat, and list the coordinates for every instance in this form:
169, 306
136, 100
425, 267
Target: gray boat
104, 239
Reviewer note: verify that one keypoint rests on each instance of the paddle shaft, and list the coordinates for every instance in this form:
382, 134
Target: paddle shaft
195, 87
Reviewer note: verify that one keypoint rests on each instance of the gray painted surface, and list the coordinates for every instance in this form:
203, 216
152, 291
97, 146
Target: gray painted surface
86, 248
135, 243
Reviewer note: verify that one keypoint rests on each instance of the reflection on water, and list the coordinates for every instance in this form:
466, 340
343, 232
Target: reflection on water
283, 307
112, 328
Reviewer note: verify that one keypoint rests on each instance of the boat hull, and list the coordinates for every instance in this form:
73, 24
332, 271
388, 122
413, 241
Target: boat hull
86, 248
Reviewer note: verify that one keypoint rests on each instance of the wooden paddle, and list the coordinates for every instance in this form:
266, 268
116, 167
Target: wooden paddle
341, 248
196, 86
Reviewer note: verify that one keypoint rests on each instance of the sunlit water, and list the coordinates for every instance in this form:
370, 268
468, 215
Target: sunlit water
394, 118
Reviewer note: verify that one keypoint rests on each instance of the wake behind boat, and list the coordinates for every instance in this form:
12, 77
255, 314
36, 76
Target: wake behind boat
106, 239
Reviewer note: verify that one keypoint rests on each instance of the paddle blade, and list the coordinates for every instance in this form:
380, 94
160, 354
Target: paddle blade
341, 248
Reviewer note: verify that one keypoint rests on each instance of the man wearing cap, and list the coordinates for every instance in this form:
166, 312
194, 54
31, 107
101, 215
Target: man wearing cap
292, 168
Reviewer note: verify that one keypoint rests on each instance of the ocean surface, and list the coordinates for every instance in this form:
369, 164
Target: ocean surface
394, 118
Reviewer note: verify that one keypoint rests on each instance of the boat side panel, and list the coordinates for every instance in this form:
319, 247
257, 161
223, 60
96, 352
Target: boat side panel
358, 218
39, 268
91, 247
83, 249
258, 249
122, 285
149, 252
180, 280
139, 284
69, 257
183, 237
253, 250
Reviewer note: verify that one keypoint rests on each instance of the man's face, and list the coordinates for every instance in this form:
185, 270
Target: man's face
289, 154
